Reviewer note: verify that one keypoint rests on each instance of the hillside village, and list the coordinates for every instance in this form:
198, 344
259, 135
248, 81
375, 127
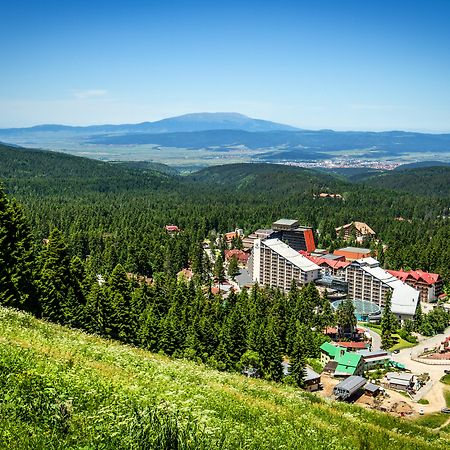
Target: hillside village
353, 364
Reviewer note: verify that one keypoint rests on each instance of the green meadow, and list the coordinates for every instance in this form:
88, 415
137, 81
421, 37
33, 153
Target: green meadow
64, 389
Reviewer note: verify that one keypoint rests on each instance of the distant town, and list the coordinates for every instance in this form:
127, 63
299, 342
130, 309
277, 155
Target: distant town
347, 163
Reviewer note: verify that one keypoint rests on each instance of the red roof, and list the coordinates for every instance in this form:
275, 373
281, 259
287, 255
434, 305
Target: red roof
171, 228
240, 255
359, 345
418, 275
330, 330
320, 261
231, 235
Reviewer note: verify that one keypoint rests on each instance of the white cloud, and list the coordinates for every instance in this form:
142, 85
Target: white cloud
90, 93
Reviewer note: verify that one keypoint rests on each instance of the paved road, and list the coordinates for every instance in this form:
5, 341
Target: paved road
376, 338
434, 391
435, 396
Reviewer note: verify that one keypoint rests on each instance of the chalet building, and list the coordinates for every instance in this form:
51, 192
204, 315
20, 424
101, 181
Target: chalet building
368, 281
312, 378
352, 346
360, 230
237, 233
275, 264
353, 253
428, 284
241, 256
330, 265
372, 390
335, 333
340, 362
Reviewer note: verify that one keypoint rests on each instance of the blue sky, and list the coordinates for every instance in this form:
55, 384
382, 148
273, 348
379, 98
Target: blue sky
362, 65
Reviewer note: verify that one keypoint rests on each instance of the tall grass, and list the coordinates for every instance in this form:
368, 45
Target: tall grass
63, 389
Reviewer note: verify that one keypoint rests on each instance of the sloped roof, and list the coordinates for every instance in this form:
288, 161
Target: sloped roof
362, 227
328, 348
347, 359
404, 298
311, 375
291, 255
360, 345
371, 387
351, 383
320, 260
427, 277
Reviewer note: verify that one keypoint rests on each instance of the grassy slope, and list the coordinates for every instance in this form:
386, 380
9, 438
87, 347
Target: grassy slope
47, 370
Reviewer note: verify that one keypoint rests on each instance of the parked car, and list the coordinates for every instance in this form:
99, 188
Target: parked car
396, 351
447, 371
445, 410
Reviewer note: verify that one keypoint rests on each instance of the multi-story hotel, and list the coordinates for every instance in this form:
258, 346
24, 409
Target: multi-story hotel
276, 264
287, 230
368, 281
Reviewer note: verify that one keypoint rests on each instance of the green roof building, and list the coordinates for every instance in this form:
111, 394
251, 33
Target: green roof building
347, 363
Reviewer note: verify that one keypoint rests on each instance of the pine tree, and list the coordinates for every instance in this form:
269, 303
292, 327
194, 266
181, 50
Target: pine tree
118, 318
271, 353
233, 268
219, 272
345, 317
418, 318
388, 323
17, 264
95, 310
298, 357
54, 281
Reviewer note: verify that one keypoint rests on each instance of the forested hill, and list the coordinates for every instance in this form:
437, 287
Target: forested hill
424, 181
115, 213
43, 171
260, 178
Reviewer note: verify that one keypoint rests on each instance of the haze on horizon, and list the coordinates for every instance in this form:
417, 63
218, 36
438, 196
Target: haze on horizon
346, 65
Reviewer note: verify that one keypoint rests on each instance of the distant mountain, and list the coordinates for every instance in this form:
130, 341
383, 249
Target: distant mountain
187, 122
224, 132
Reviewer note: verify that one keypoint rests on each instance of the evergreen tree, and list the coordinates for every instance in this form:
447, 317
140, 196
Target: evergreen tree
233, 268
219, 272
298, 357
271, 353
17, 263
388, 323
345, 317
118, 319
418, 318
54, 280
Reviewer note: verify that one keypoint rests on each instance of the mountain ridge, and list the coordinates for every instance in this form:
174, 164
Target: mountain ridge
186, 122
